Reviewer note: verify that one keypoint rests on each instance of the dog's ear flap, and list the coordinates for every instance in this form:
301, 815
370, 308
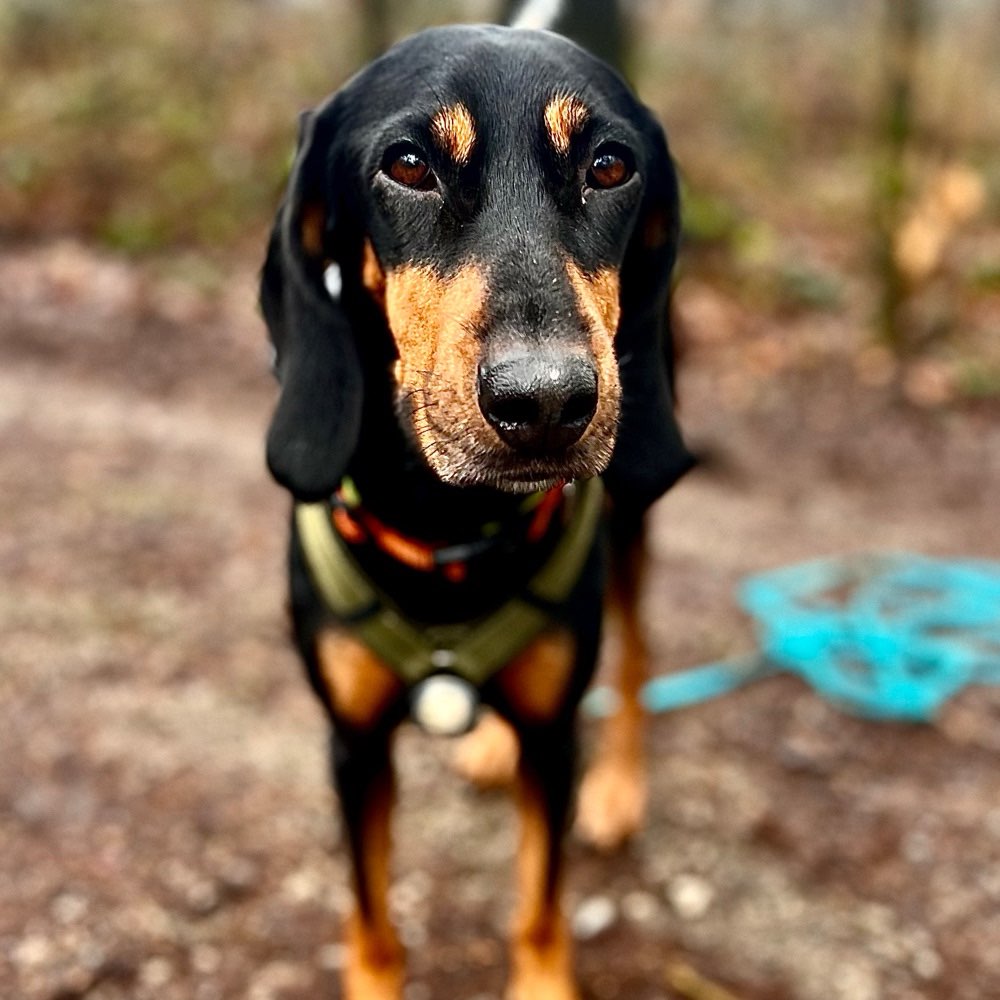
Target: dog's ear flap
315, 426
649, 455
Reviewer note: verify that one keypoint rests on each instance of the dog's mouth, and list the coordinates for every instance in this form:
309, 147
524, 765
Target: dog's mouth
462, 449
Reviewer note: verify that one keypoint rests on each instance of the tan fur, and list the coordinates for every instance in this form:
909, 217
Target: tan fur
359, 685
613, 795
433, 319
312, 224
372, 275
375, 962
454, 131
360, 688
541, 949
564, 116
535, 681
488, 755
599, 297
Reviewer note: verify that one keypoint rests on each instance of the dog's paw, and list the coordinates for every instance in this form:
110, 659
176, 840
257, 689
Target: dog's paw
376, 964
532, 986
542, 972
370, 982
488, 755
611, 804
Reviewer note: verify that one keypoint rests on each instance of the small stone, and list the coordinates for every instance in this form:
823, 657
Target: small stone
156, 972
69, 907
593, 916
918, 847
276, 978
237, 874
206, 959
691, 896
927, 963
32, 951
304, 885
202, 897
332, 957
640, 907
858, 982
413, 934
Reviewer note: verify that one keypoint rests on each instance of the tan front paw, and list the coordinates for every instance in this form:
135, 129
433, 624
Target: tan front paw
611, 805
375, 966
542, 973
365, 982
488, 755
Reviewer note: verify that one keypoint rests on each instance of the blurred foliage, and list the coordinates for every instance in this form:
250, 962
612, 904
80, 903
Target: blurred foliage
152, 125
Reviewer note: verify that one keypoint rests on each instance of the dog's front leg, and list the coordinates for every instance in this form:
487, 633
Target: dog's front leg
542, 956
534, 689
364, 779
612, 801
363, 697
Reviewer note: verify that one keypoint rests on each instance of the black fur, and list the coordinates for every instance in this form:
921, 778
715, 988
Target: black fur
517, 207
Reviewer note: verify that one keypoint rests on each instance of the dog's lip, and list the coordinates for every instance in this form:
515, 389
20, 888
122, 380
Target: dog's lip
547, 471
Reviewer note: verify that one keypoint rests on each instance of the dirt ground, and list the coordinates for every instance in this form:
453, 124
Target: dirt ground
166, 828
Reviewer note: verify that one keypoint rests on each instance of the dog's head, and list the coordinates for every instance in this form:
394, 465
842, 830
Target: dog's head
489, 218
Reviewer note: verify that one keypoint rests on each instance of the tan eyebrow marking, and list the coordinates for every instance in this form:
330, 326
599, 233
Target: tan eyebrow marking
455, 132
564, 116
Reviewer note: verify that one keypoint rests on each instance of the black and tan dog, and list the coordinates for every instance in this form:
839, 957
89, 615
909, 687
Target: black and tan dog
467, 293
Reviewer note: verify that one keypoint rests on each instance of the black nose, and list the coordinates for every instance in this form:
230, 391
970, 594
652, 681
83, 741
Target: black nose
539, 403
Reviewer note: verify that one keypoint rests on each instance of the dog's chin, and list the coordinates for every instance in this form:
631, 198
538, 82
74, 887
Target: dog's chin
517, 475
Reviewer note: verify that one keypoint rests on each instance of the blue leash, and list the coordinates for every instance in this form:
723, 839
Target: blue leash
883, 636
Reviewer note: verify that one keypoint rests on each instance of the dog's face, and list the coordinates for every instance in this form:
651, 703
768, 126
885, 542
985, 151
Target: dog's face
500, 209
484, 189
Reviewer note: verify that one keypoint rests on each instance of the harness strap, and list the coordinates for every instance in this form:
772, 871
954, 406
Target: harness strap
472, 651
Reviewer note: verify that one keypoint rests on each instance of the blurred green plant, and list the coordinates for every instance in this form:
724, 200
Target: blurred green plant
152, 124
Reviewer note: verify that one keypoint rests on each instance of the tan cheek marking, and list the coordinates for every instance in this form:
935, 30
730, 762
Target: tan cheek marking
535, 681
372, 275
359, 685
564, 116
455, 132
599, 296
312, 225
432, 320
431, 317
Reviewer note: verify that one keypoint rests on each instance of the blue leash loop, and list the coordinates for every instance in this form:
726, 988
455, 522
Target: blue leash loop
883, 636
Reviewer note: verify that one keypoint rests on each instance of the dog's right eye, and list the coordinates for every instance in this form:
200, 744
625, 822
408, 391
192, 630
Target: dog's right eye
406, 166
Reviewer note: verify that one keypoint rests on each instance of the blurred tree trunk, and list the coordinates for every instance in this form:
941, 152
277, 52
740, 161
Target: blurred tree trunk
905, 22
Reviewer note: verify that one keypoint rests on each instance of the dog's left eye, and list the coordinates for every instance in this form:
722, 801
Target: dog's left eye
611, 168
407, 166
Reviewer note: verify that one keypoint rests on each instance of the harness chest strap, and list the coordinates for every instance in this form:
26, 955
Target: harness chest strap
472, 652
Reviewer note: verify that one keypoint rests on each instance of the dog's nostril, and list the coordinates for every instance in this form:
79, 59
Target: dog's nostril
580, 407
514, 411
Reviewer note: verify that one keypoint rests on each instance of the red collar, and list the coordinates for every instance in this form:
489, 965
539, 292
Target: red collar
358, 526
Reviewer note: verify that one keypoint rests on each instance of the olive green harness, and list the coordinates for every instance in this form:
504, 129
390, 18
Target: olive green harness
472, 651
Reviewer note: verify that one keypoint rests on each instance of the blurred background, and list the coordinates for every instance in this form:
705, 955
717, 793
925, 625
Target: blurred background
165, 828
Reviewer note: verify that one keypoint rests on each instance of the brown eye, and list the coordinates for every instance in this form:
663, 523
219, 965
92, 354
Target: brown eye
611, 168
409, 168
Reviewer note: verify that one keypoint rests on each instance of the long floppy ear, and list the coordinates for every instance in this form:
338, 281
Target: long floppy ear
315, 426
649, 455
